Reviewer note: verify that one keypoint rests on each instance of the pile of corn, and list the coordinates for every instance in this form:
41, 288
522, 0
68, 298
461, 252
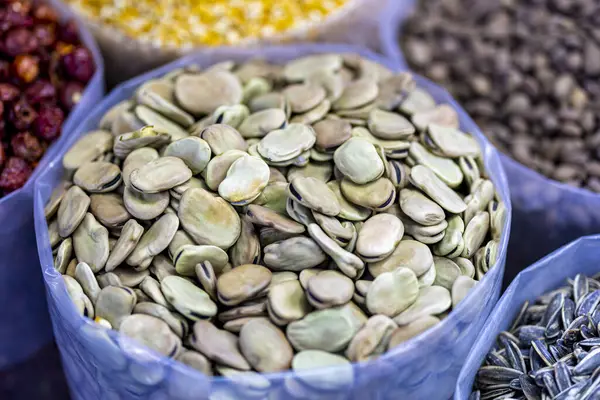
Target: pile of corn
190, 23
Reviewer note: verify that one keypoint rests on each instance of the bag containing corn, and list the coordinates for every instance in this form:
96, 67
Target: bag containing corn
146, 34
544, 324
186, 235
28, 130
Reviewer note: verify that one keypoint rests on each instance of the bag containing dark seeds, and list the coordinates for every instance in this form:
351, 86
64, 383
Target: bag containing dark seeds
545, 323
528, 75
26, 326
102, 363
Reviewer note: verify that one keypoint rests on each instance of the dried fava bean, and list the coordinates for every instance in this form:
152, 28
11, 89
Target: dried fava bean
90, 242
219, 346
245, 180
378, 237
287, 302
187, 298
109, 210
153, 241
98, 177
209, 220
151, 332
204, 93
329, 289
115, 303
294, 254
392, 292
546, 338
222, 138
80, 300
194, 152
242, 283
270, 239
314, 194
372, 340
287, 143
195, 360
265, 346
72, 210
87, 148
358, 159
160, 175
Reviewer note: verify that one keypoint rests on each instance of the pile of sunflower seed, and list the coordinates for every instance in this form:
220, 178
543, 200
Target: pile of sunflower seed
261, 217
551, 351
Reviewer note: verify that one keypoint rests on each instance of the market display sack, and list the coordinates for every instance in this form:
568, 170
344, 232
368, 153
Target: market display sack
549, 213
25, 324
355, 22
101, 363
549, 273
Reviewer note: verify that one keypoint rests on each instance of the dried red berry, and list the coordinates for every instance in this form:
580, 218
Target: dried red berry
2, 157
2, 129
44, 57
4, 70
43, 72
20, 41
44, 12
15, 174
16, 15
22, 7
22, 115
79, 64
10, 19
64, 48
26, 68
45, 34
70, 94
26, 146
8, 92
69, 33
49, 122
40, 91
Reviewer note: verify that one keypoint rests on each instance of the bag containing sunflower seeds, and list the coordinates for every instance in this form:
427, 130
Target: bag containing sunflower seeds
520, 317
271, 236
26, 326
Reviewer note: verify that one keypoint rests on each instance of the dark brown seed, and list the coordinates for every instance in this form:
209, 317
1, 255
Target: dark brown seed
526, 72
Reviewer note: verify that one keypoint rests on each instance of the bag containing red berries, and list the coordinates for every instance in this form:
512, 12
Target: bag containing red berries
51, 73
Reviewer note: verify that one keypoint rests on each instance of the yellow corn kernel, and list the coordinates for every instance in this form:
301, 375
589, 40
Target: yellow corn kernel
187, 23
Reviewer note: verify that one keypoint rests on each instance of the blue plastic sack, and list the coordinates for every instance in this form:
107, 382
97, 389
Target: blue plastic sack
395, 13
551, 272
100, 363
547, 213
24, 323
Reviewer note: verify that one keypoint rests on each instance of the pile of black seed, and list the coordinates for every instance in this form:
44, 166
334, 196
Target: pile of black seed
528, 72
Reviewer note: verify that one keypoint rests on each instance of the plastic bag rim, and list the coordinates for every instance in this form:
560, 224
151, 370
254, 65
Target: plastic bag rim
535, 175
51, 276
507, 296
88, 39
389, 30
